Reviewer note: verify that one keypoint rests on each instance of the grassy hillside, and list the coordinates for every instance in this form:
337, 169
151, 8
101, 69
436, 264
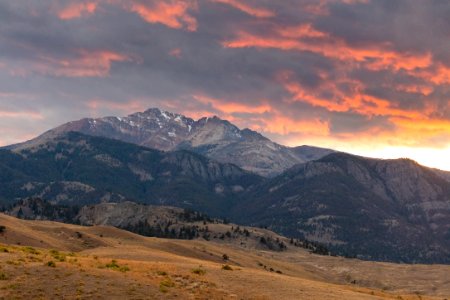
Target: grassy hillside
54, 260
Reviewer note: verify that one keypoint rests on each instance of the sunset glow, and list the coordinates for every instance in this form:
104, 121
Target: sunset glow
359, 76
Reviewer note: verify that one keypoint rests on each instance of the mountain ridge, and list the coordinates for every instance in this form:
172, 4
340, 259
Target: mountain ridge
373, 208
210, 136
78, 168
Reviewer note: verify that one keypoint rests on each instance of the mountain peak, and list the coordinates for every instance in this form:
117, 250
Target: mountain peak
213, 137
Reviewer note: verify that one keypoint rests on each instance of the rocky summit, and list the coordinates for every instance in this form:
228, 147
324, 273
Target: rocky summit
213, 137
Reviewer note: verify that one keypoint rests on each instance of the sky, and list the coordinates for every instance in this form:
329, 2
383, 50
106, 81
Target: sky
366, 77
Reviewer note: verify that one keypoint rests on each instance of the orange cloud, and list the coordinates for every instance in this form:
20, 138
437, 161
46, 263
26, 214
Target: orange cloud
280, 124
253, 11
21, 115
173, 14
416, 89
437, 74
412, 128
76, 10
85, 64
230, 107
355, 100
276, 123
305, 38
320, 7
300, 31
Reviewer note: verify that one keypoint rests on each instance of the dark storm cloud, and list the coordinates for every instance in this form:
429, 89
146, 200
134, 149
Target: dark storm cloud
319, 69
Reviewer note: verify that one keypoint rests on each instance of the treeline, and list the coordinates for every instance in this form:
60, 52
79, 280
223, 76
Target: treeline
37, 208
168, 230
313, 247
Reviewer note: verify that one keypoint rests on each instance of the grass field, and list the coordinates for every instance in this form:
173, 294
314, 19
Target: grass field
48, 260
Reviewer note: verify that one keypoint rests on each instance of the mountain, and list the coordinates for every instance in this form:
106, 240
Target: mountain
393, 210
443, 174
215, 138
376, 209
76, 169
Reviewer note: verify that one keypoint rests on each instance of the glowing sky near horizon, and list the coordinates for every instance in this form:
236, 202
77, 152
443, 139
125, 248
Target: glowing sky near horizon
365, 77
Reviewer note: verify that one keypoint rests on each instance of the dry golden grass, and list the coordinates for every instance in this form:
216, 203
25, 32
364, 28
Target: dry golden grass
60, 261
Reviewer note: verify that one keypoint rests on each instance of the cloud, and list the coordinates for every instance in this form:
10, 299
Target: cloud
21, 115
79, 63
248, 9
305, 38
173, 14
76, 10
346, 74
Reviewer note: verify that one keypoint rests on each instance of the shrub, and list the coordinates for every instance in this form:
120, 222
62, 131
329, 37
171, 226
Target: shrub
199, 271
161, 273
58, 256
124, 269
165, 285
51, 264
225, 257
227, 268
114, 266
3, 276
167, 282
30, 250
2, 228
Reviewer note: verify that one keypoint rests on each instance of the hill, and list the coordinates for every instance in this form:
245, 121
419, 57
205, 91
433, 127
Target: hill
392, 210
56, 260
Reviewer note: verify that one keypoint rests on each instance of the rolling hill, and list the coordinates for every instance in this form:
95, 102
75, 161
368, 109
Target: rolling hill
55, 260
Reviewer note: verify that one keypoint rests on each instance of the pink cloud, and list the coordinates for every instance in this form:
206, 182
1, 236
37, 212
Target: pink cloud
248, 9
176, 52
174, 14
77, 9
85, 63
21, 115
304, 37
